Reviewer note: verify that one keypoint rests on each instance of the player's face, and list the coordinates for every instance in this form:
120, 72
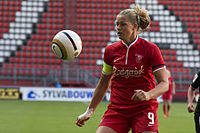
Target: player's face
126, 31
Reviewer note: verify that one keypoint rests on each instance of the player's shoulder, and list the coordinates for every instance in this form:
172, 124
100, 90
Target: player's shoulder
198, 73
170, 78
113, 46
196, 77
196, 80
147, 43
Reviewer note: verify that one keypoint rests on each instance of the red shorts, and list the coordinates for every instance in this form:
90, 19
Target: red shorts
138, 120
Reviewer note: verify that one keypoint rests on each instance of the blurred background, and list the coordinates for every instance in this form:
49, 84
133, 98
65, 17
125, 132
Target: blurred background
27, 28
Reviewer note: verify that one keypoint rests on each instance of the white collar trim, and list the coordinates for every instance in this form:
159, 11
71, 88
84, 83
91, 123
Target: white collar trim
131, 43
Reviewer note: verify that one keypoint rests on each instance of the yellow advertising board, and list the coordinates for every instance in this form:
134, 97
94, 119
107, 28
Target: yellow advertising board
9, 93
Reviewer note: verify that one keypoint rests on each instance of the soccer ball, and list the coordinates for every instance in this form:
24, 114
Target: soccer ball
66, 45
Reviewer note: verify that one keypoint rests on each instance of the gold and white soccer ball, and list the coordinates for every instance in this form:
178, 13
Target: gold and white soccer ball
67, 45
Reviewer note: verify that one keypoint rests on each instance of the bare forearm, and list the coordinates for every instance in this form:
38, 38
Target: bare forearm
160, 88
163, 84
152, 94
100, 91
190, 94
97, 98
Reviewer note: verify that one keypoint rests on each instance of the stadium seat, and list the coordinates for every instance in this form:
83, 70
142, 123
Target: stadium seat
37, 52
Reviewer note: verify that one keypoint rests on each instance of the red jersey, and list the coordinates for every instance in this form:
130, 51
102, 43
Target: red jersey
168, 95
133, 68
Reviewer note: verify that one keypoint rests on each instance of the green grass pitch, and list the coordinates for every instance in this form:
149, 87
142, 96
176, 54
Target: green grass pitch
18, 116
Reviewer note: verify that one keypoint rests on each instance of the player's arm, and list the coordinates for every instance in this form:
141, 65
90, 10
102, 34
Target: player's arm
162, 83
100, 91
102, 86
173, 88
162, 86
98, 94
190, 96
191, 93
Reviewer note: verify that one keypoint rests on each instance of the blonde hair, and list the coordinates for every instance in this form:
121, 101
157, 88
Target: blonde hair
139, 16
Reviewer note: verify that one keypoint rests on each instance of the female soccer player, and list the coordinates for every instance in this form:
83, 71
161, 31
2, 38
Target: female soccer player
130, 65
167, 96
195, 84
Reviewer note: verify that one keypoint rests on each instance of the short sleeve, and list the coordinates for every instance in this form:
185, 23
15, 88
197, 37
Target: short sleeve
107, 62
107, 57
196, 81
156, 59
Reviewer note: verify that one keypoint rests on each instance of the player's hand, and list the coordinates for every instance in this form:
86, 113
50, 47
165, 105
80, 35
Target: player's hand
140, 95
190, 107
81, 119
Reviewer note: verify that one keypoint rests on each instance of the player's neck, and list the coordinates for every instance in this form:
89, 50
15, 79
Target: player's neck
130, 41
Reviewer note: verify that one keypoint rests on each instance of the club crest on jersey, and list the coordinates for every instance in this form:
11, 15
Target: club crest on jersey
138, 58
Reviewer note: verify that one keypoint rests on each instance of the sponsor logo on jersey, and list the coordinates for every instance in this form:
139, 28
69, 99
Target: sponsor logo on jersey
129, 72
